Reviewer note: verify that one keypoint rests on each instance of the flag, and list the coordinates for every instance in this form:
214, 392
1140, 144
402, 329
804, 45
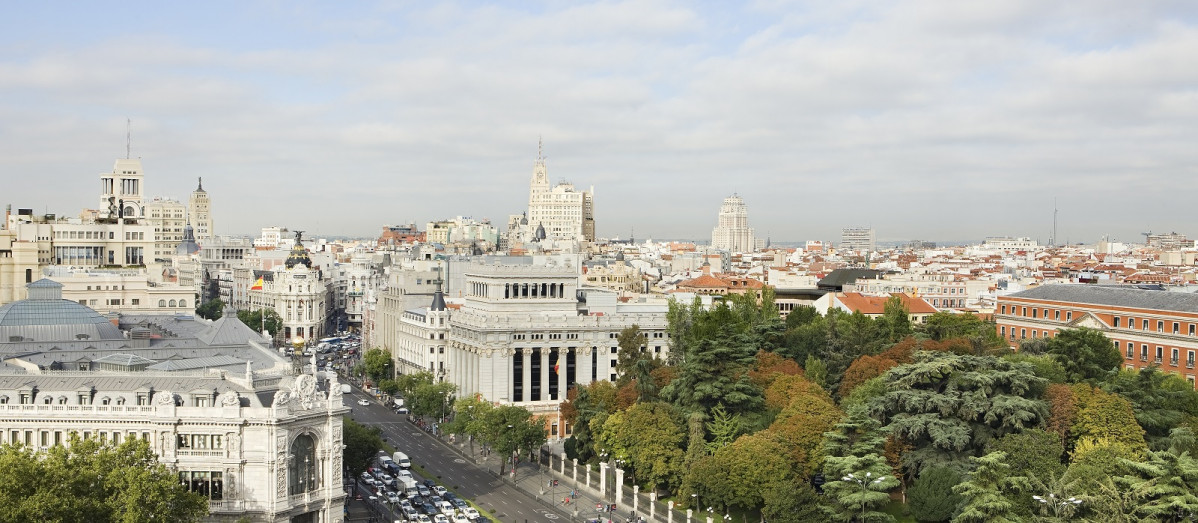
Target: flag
557, 368
257, 285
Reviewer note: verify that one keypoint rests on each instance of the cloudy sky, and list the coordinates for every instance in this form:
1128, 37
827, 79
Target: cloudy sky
936, 120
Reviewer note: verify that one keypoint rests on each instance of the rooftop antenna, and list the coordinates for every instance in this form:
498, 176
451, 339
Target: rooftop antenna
1054, 222
540, 149
128, 136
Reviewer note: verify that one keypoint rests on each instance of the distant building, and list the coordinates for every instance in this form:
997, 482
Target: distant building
199, 213
1168, 241
860, 239
399, 235
168, 218
918, 310
1008, 244
559, 212
732, 232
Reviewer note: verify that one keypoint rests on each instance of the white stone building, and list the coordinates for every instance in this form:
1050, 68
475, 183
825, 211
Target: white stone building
199, 213
858, 239
217, 405
558, 212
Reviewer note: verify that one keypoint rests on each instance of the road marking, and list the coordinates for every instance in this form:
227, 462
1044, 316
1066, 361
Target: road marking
550, 515
459, 460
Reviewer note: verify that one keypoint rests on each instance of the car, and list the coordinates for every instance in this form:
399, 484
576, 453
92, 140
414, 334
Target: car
392, 497
459, 504
410, 513
439, 490
440, 518
364, 403
458, 518
405, 474
471, 513
430, 483
423, 518
423, 490
428, 508
402, 410
445, 507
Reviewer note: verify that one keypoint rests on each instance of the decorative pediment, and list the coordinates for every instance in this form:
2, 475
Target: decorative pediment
1089, 320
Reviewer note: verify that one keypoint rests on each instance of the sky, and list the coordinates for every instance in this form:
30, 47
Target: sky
934, 120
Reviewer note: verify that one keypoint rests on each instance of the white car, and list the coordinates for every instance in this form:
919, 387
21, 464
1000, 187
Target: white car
405, 474
440, 518
470, 512
439, 490
423, 518
459, 518
364, 403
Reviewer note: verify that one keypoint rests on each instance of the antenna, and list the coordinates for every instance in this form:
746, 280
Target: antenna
128, 136
1054, 221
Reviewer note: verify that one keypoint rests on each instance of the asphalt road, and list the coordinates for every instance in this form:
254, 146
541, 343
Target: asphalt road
505, 502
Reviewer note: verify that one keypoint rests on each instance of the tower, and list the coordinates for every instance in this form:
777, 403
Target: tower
199, 213
121, 190
732, 232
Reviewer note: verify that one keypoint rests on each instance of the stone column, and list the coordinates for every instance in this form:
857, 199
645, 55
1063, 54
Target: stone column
636, 499
526, 358
563, 463
582, 365
603, 479
544, 375
652, 505
670, 512
563, 356
587, 472
575, 477
688, 515
619, 486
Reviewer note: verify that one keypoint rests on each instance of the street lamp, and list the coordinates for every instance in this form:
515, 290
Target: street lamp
1059, 506
865, 482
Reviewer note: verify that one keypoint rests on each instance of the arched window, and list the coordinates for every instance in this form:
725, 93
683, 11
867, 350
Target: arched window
162, 303
182, 303
172, 303
302, 467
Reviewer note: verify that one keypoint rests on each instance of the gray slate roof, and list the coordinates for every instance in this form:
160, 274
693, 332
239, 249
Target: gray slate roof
198, 363
1114, 296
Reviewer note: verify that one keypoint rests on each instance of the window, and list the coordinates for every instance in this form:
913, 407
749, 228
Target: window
302, 467
1176, 328
1173, 357
1160, 326
1160, 354
1056, 315
1131, 350
1115, 321
1190, 360
1034, 312
1144, 352
1022, 333
1004, 309
1069, 316
1145, 325
209, 484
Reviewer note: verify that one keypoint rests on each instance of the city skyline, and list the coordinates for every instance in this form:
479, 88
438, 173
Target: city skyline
926, 120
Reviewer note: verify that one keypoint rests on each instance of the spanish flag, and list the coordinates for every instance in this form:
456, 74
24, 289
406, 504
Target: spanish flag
257, 285
557, 368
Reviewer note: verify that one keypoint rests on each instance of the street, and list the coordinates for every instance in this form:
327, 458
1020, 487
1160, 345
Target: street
458, 474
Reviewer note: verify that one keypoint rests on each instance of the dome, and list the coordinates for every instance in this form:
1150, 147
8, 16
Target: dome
188, 245
299, 255
45, 316
540, 234
620, 256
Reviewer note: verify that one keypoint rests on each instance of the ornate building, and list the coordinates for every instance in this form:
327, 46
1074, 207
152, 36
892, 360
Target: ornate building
294, 290
215, 402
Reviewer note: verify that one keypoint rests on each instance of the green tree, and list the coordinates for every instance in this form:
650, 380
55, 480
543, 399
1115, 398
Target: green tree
92, 481
1086, 354
724, 427
211, 310
858, 475
895, 322
738, 474
362, 444
593, 401
469, 418
631, 342
816, 371
715, 370
987, 491
378, 364
982, 335
509, 429
1161, 401
931, 498
257, 319
791, 501
1168, 482
408, 383
432, 399
1034, 454
1105, 419
948, 406
649, 439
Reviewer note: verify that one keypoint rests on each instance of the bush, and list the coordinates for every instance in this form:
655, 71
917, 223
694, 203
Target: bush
931, 498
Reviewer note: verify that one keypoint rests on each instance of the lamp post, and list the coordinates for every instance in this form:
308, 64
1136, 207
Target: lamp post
865, 482
1059, 506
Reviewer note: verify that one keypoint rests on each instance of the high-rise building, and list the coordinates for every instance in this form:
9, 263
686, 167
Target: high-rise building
564, 212
199, 213
857, 239
732, 232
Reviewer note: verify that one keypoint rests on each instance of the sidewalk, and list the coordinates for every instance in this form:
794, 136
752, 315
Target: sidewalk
587, 503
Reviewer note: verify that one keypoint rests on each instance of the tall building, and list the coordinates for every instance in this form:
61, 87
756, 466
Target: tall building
732, 232
564, 212
199, 213
121, 190
1170, 240
857, 239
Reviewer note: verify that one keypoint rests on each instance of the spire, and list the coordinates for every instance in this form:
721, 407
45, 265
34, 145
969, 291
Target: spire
200, 188
438, 296
540, 149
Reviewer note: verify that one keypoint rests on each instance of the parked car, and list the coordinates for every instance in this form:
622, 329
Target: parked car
458, 518
440, 518
471, 513
439, 490
459, 504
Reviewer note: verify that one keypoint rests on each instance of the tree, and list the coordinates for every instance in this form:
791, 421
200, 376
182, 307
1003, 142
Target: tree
738, 474
649, 439
791, 501
986, 491
1086, 354
862, 369
262, 318
509, 429
378, 364
931, 498
631, 342
715, 370
770, 366
408, 383
801, 425
1168, 482
92, 481
1034, 454
948, 406
724, 427
816, 371
211, 310
432, 399
469, 418
1105, 419
1161, 401
595, 400
858, 476
362, 444
895, 322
